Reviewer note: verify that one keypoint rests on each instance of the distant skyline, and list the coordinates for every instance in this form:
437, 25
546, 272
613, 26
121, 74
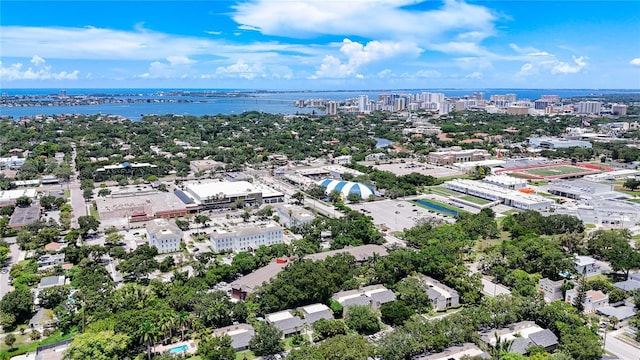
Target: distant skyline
320, 44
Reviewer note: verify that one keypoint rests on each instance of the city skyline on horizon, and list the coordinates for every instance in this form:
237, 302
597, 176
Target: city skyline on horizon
267, 45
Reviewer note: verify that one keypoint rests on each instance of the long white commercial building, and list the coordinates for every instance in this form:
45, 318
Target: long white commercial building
223, 194
513, 198
246, 237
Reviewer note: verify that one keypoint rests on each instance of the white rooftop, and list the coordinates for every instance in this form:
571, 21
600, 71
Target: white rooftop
279, 316
310, 309
504, 179
227, 188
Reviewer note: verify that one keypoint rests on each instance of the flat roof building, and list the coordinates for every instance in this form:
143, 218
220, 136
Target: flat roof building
246, 237
446, 157
507, 197
293, 215
506, 181
225, 194
164, 235
556, 143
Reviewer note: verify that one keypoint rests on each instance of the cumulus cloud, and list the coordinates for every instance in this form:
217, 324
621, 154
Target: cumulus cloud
579, 63
635, 62
392, 18
37, 60
175, 66
39, 71
358, 55
241, 70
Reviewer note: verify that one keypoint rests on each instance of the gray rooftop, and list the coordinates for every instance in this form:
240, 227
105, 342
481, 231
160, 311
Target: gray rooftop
163, 229
621, 312
25, 215
240, 334
49, 281
628, 285
545, 338
285, 322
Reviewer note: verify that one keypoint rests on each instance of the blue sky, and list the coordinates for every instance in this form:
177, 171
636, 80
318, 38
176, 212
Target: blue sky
320, 44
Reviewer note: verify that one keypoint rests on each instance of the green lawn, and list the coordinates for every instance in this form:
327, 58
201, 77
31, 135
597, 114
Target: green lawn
538, 182
554, 170
24, 345
510, 212
441, 190
247, 354
475, 200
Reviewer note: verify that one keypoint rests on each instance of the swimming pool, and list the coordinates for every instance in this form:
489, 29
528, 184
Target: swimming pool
437, 207
179, 349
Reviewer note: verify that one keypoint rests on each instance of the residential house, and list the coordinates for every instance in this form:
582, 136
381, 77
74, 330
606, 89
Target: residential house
374, 296
586, 265
552, 290
593, 300
286, 322
522, 335
632, 282
315, 312
240, 334
43, 319
467, 350
442, 297
49, 260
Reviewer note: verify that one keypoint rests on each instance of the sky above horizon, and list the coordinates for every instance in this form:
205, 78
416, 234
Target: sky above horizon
320, 44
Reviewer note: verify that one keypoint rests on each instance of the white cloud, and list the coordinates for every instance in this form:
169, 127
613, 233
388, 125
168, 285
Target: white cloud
459, 47
241, 70
214, 32
177, 66
553, 66
38, 72
579, 63
474, 75
428, 74
140, 44
37, 60
358, 55
527, 69
308, 18
635, 62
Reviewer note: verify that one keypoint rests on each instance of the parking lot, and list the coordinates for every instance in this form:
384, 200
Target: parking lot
397, 214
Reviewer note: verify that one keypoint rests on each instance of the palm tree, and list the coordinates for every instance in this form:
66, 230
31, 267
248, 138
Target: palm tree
167, 323
182, 321
148, 333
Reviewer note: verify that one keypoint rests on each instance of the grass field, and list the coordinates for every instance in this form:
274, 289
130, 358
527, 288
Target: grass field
441, 190
554, 170
475, 200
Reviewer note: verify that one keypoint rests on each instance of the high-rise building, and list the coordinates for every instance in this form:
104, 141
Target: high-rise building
589, 107
332, 108
363, 101
619, 109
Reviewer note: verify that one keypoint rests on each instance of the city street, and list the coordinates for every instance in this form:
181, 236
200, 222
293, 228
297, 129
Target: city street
15, 255
623, 349
77, 200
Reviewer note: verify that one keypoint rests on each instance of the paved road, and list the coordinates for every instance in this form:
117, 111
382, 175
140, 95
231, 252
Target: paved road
489, 288
624, 350
15, 255
77, 200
